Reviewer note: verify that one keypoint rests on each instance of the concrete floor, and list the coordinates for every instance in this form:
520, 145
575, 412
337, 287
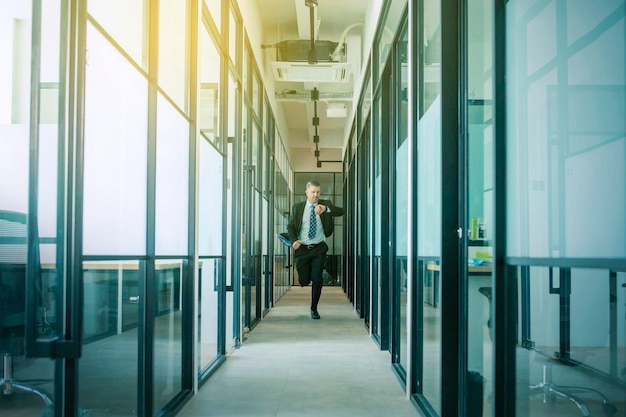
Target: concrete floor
293, 366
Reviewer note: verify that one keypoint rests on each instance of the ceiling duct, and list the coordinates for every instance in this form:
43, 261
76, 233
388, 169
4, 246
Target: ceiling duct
326, 96
299, 50
293, 63
312, 4
308, 60
331, 72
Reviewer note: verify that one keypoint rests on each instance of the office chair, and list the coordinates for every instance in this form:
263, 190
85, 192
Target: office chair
13, 256
550, 391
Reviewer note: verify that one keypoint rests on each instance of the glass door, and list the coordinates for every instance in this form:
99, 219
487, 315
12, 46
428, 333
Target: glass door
399, 188
430, 204
37, 345
247, 247
376, 236
251, 231
362, 301
479, 212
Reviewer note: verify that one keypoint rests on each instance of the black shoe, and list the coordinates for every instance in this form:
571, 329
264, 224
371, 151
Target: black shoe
315, 315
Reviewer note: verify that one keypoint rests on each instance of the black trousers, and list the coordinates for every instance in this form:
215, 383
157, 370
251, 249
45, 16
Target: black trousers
310, 263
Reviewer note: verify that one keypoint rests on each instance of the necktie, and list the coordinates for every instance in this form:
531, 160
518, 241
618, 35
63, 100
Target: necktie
312, 223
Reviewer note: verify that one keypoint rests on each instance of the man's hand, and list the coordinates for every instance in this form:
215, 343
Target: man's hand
320, 208
296, 244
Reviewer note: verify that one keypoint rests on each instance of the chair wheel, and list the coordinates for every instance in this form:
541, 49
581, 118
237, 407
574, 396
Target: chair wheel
7, 397
608, 409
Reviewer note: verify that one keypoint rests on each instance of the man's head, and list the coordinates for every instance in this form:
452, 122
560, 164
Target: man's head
312, 191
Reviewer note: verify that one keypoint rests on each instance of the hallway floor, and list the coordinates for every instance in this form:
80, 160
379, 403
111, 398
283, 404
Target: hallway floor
293, 366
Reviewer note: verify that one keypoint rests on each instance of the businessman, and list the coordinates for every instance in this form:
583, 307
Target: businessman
310, 222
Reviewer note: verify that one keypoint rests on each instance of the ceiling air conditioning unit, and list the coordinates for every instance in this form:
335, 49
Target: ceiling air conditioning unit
327, 72
292, 62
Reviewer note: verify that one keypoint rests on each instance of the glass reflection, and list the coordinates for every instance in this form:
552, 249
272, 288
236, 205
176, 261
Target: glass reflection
110, 323
208, 285
167, 331
566, 183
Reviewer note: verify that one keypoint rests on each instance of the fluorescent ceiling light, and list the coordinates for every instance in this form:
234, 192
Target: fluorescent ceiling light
303, 72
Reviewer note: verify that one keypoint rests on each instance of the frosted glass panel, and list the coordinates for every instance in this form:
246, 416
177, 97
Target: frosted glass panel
50, 41
209, 93
14, 165
15, 28
402, 201
114, 190
233, 102
429, 179
173, 31
210, 216
566, 136
15, 50
172, 180
127, 28
215, 10
232, 38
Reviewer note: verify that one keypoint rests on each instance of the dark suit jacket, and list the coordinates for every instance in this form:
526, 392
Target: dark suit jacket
295, 219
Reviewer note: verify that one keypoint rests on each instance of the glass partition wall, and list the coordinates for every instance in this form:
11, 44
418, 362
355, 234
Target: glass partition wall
211, 174
566, 199
401, 207
429, 203
136, 214
506, 221
32, 245
478, 210
129, 259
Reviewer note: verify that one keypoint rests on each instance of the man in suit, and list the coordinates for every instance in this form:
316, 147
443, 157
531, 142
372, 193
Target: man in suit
310, 222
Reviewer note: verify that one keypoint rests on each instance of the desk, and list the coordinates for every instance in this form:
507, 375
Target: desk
111, 293
434, 269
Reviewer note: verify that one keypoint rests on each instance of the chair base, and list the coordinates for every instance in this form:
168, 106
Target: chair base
551, 391
8, 385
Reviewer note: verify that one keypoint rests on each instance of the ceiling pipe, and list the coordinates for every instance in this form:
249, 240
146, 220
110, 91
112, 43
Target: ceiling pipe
342, 40
312, 4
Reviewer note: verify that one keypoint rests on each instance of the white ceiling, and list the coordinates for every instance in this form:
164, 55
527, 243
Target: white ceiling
284, 20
